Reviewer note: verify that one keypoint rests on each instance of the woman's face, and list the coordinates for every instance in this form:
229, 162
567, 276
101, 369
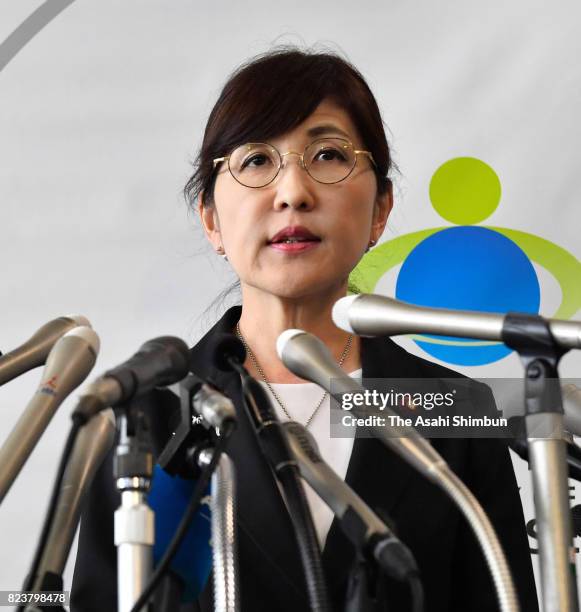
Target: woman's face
343, 216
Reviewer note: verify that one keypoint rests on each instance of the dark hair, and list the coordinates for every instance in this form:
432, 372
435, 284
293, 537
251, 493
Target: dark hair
270, 95
273, 93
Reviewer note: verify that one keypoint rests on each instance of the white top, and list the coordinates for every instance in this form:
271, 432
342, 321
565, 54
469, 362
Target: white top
300, 400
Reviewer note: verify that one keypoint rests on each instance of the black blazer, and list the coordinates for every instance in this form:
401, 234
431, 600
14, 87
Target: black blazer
454, 574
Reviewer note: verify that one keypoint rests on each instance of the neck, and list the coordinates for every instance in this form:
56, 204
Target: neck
265, 316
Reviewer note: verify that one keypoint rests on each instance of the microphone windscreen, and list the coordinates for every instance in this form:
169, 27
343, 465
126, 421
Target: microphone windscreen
175, 350
340, 312
80, 320
169, 497
283, 338
225, 347
86, 333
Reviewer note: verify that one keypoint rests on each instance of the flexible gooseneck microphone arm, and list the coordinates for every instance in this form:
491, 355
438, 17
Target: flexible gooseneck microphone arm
224, 543
89, 450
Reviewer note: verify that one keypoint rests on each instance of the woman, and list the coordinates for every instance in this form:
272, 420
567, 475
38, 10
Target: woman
292, 187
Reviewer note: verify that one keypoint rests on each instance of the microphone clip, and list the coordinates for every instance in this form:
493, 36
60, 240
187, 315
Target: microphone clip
192, 435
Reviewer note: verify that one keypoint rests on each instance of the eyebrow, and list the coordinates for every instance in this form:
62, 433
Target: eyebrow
326, 128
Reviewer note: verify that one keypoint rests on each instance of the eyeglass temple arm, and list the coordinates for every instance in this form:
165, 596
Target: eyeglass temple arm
220, 159
369, 154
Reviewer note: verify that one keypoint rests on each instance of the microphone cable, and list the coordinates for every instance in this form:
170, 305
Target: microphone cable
192, 508
417, 592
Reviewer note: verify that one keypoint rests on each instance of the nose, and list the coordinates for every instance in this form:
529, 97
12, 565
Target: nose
294, 186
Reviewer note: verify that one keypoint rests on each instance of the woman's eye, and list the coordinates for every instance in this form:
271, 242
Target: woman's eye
329, 155
255, 161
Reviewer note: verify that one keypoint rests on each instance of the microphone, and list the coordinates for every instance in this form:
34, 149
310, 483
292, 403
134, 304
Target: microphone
361, 525
307, 357
34, 351
210, 404
93, 443
378, 315
191, 566
68, 364
228, 354
159, 362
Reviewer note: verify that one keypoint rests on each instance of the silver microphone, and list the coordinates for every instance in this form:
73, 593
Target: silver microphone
387, 549
92, 444
34, 351
378, 315
325, 482
213, 406
68, 364
306, 356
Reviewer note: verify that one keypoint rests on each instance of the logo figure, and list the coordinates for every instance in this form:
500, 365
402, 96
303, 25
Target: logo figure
468, 266
49, 386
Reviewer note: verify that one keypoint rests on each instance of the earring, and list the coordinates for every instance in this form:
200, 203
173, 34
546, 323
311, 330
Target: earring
371, 243
220, 251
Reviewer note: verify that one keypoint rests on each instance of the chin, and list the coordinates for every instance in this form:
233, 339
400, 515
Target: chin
301, 287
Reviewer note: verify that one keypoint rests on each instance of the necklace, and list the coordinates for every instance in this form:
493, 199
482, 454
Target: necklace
276, 397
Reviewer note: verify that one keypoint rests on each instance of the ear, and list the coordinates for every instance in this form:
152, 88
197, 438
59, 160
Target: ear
210, 222
381, 210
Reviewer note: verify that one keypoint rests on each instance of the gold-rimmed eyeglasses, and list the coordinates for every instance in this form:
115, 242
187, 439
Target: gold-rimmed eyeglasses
326, 160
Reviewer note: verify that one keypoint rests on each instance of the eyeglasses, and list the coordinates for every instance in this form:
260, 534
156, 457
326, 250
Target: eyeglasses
326, 160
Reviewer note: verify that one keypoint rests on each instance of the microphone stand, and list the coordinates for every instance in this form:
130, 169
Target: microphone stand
134, 519
519, 445
531, 337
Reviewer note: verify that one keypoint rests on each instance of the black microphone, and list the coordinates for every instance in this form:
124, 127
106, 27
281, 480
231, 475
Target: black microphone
228, 354
159, 362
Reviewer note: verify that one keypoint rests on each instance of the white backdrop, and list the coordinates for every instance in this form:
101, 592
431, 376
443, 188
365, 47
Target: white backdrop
102, 111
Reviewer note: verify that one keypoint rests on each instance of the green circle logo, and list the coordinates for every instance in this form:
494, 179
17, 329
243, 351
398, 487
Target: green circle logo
465, 190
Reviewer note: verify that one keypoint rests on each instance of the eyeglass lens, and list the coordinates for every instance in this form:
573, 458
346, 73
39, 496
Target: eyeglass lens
328, 160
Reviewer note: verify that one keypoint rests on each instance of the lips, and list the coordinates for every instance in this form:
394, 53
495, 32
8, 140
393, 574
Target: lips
293, 234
